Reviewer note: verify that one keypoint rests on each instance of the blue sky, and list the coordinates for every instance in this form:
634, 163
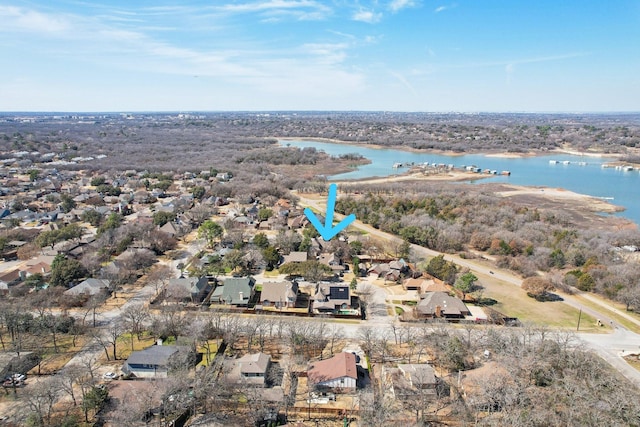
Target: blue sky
395, 55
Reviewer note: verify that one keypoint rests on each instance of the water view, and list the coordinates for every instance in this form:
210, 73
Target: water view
581, 174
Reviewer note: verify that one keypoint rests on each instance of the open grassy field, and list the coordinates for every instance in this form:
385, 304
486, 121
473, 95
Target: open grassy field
611, 313
514, 302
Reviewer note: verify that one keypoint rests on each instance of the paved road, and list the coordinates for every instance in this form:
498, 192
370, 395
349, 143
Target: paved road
607, 346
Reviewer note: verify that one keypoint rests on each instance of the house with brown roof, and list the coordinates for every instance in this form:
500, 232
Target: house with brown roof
339, 372
423, 285
279, 294
441, 305
295, 257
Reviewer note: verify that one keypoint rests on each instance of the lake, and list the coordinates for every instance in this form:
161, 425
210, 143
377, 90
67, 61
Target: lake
620, 187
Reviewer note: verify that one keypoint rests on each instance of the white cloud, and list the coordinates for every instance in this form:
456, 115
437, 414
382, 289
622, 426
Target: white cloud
327, 53
18, 19
397, 5
368, 16
445, 7
301, 9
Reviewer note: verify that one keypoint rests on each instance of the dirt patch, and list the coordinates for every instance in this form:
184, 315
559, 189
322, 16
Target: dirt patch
585, 211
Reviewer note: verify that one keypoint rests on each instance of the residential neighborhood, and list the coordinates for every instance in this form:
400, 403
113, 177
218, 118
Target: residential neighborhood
198, 296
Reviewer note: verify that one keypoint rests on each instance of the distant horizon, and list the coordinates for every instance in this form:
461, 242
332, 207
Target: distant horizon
568, 113
309, 55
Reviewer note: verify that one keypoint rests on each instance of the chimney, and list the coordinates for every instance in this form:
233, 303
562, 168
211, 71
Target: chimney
438, 311
241, 296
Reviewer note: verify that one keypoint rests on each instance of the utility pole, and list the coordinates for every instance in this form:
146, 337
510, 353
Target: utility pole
579, 316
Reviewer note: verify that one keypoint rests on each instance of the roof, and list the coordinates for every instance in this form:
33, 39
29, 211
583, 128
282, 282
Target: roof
420, 375
234, 287
89, 286
10, 276
158, 355
194, 285
448, 305
295, 257
254, 363
278, 291
339, 366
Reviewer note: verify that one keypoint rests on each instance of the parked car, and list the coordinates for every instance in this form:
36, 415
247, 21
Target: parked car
110, 376
18, 377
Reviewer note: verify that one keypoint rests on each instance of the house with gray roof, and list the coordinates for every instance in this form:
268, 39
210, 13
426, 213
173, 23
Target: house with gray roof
409, 381
193, 288
332, 297
251, 369
89, 286
234, 291
154, 361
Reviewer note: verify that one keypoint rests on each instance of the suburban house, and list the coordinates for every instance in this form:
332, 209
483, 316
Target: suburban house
339, 372
251, 369
384, 271
332, 297
11, 278
295, 257
89, 286
408, 380
152, 362
235, 291
441, 305
279, 294
192, 288
423, 285
333, 261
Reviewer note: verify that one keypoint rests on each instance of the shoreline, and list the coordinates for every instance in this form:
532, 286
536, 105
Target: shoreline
497, 154
551, 195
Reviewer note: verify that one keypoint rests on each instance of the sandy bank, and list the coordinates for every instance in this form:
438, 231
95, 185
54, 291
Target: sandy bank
590, 203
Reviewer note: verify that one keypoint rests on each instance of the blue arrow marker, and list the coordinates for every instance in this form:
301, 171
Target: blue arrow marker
328, 231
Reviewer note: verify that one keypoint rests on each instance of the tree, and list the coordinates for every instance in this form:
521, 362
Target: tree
271, 257
98, 180
586, 282
210, 231
443, 270
356, 266
198, 192
133, 317
261, 240
264, 214
312, 270
112, 222
95, 399
65, 271
33, 175
537, 287
92, 216
67, 203
160, 218
466, 283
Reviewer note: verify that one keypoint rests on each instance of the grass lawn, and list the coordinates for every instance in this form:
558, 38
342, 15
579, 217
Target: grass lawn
272, 273
514, 302
213, 348
619, 319
123, 349
52, 361
633, 360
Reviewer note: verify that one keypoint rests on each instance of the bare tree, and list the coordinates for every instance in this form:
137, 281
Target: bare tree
133, 317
